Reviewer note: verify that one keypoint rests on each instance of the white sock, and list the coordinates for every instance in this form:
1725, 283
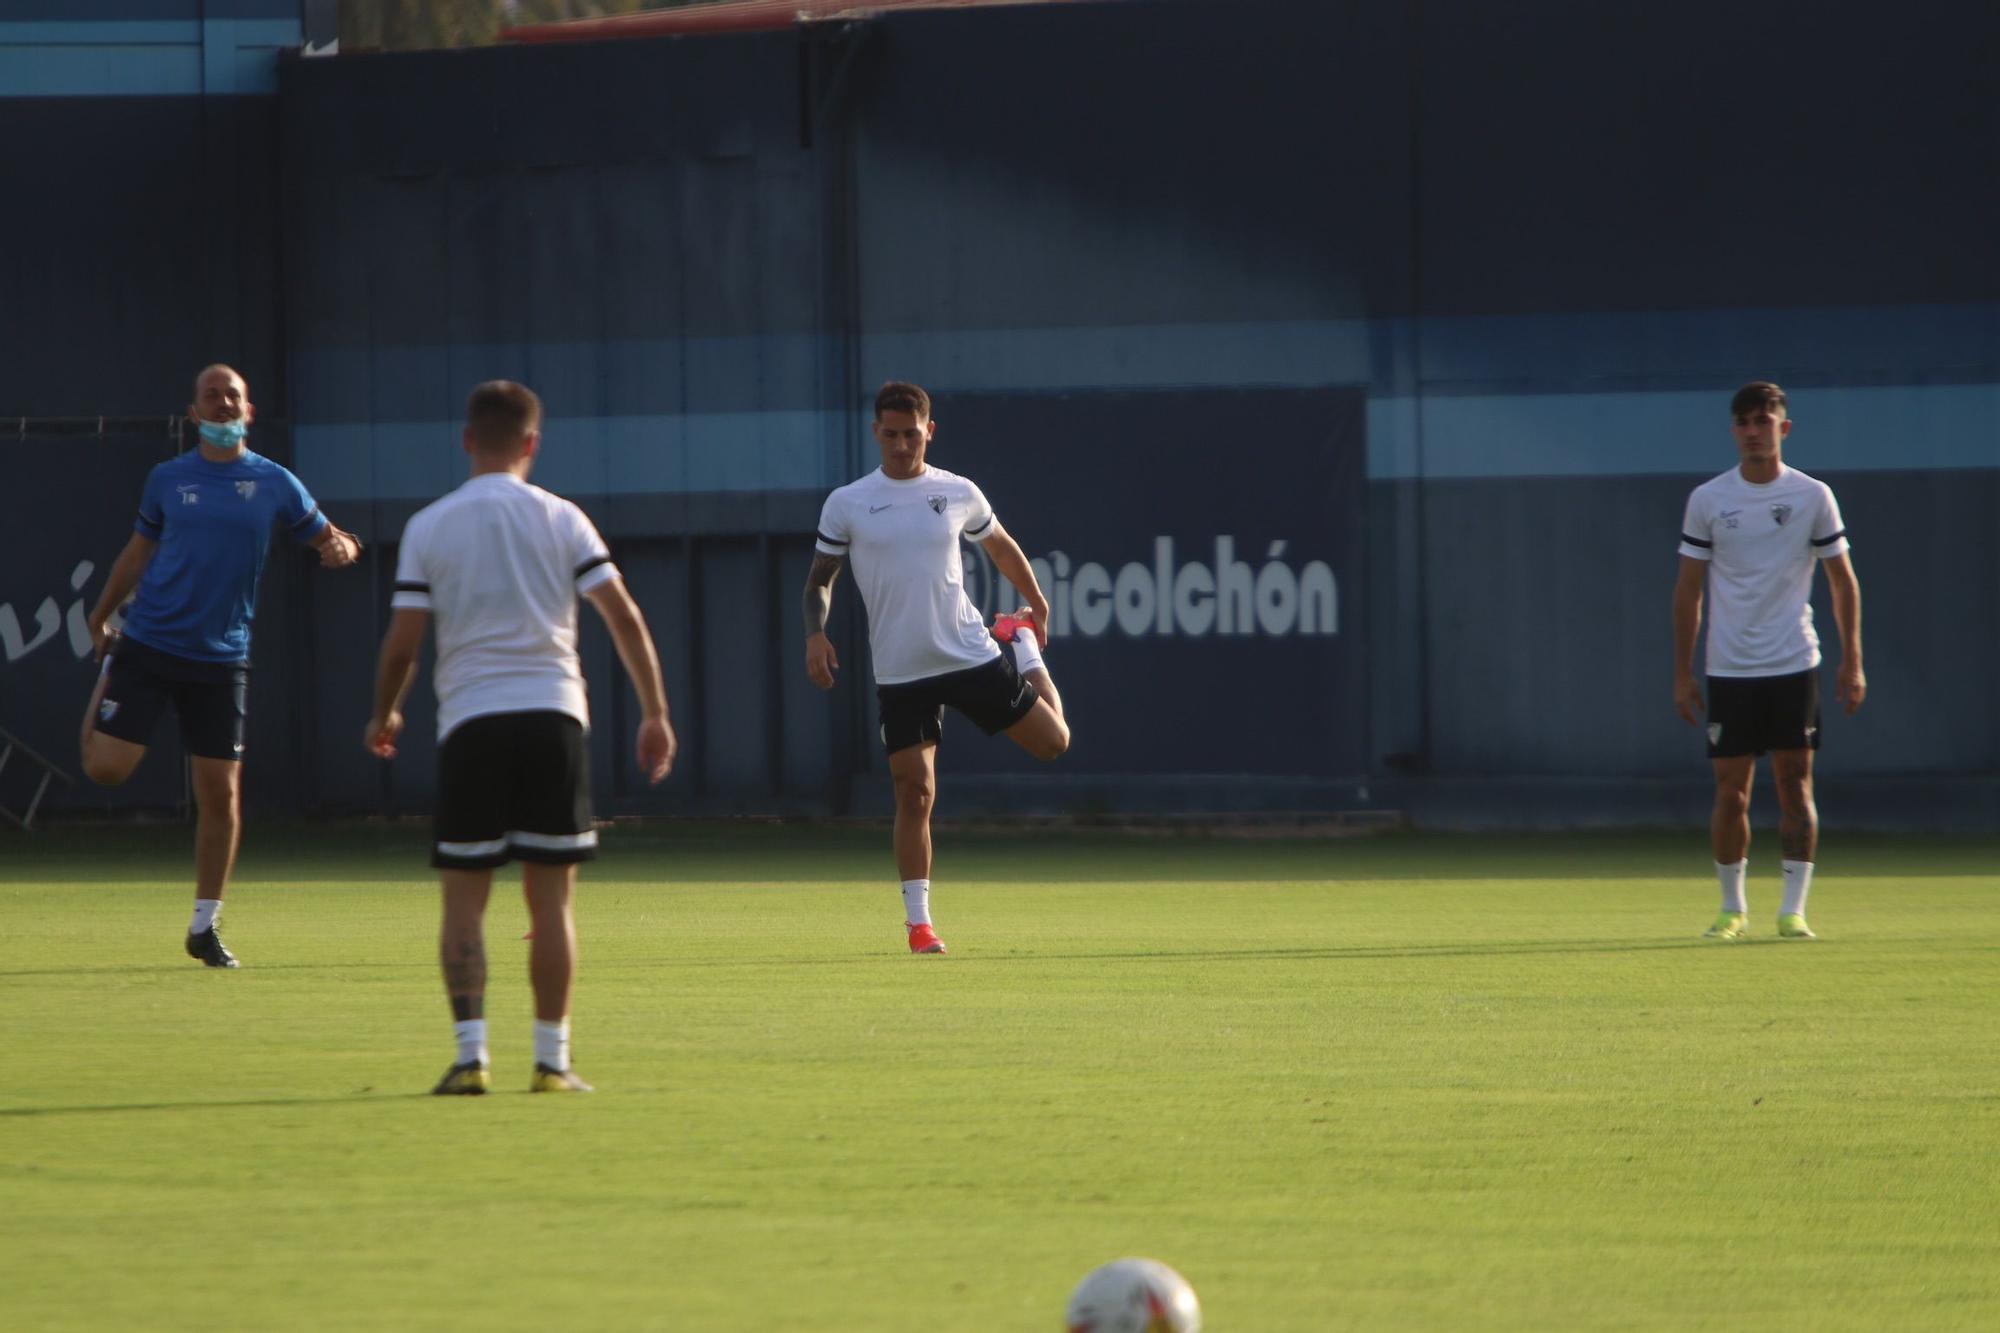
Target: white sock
1731, 879
917, 902
205, 912
552, 1044
471, 1034
1027, 653
1798, 880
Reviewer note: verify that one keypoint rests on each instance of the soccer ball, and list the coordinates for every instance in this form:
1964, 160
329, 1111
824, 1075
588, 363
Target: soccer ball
1133, 1296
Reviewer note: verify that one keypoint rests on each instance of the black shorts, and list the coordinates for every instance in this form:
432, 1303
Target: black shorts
513, 787
1756, 714
212, 699
994, 696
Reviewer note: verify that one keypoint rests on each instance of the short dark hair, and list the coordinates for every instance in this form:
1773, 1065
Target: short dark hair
1756, 394
896, 396
500, 414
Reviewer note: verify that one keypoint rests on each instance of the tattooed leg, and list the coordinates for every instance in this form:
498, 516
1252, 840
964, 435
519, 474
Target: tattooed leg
1798, 818
462, 941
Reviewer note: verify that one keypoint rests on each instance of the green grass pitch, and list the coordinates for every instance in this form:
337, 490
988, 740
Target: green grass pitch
1384, 1083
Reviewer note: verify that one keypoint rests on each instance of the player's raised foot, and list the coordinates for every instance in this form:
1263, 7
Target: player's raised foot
924, 940
1728, 926
1005, 627
208, 949
557, 1080
470, 1079
1794, 927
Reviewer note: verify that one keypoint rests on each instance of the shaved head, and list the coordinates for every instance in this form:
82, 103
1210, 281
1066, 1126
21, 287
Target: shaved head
220, 394
219, 368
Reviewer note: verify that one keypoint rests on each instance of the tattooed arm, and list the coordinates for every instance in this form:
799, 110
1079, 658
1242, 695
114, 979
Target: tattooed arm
821, 660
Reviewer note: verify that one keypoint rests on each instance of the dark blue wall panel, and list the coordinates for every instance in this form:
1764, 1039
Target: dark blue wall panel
1548, 617
140, 243
1100, 165
1586, 156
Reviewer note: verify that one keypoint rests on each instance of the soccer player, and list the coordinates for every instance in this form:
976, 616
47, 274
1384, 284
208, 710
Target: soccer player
901, 526
196, 555
500, 563
1749, 541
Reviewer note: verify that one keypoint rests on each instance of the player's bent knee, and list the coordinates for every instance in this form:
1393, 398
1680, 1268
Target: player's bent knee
107, 772
108, 764
1055, 745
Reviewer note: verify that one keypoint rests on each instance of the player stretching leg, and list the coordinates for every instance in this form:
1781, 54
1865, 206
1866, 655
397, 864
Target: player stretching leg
196, 556
500, 565
1749, 541
900, 526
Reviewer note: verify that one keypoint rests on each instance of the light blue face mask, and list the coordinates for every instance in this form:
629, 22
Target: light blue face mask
224, 434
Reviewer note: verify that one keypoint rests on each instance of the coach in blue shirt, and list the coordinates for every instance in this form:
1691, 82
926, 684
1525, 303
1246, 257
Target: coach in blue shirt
196, 554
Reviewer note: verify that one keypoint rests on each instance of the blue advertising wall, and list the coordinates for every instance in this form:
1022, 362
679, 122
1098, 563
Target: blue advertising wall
1529, 250
1177, 567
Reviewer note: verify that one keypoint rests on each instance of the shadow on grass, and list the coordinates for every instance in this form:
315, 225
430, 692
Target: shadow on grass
285, 855
365, 1097
1330, 953
1358, 952
260, 1104
149, 969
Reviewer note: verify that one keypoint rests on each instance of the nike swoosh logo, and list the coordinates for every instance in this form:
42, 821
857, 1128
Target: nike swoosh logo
876, 509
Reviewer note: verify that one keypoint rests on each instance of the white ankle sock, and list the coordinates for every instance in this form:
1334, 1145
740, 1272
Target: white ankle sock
917, 902
1798, 882
471, 1034
552, 1044
205, 912
1731, 879
1027, 653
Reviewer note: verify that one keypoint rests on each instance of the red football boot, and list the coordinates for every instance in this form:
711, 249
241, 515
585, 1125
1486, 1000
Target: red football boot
1007, 626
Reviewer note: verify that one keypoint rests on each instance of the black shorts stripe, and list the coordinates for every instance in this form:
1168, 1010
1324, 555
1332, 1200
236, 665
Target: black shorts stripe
513, 787
591, 564
410, 585
830, 541
307, 520
1828, 541
1696, 541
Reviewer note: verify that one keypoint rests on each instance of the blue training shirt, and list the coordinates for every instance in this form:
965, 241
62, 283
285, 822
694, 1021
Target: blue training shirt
213, 522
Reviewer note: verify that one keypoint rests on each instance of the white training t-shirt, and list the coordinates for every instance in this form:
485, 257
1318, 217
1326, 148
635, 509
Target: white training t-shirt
901, 539
1760, 541
499, 563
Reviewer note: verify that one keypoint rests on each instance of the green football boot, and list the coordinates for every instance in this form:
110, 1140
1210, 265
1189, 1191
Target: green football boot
1728, 926
1794, 927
